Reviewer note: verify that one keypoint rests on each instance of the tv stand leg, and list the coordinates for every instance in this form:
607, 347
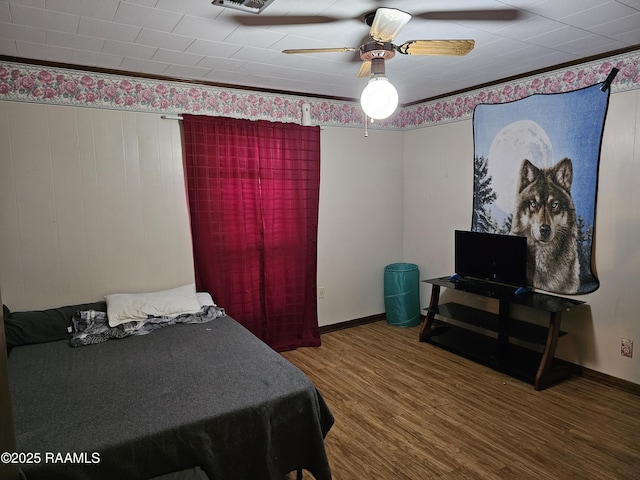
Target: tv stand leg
431, 313
546, 375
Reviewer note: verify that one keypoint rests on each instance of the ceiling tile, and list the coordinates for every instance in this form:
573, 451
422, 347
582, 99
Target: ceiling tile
8, 47
128, 49
217, 49
619, 27
108, 30
166, 40
104, 10
182, 71
554, 57
258, 55
533, 26
499, 46
188, 7
254, 38
224, 77
143, 65
5, 13
44, 52
552, 38
179, 58
46, 19
597, 15
225, 64
524, 54
526, 4
559, 9
146, 3
630, 38
203, 28
22, 33
95, 59
138, 15
68, 40
590, 43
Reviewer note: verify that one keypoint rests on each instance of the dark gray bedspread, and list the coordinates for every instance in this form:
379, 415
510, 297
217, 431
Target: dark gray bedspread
209, 395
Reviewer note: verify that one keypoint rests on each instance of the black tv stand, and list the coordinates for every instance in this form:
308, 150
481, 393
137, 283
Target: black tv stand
488, 338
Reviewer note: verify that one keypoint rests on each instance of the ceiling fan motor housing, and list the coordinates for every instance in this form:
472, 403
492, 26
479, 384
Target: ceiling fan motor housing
373, 50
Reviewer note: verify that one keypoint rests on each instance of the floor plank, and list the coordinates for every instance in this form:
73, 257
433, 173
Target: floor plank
409, 410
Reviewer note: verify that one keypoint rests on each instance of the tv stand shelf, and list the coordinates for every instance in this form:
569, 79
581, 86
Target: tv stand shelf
518, 348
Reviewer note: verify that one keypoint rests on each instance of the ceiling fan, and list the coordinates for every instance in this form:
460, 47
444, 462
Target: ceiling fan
379, 99
385, 25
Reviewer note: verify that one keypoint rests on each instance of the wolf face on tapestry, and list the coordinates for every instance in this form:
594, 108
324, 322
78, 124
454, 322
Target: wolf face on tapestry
536, 175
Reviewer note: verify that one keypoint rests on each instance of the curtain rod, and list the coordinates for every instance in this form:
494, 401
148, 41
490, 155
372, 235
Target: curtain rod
179, 117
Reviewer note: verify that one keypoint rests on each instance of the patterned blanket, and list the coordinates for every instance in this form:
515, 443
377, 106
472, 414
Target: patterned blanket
91, 326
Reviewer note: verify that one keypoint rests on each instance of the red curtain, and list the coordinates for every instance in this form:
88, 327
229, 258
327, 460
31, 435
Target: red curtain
253, 190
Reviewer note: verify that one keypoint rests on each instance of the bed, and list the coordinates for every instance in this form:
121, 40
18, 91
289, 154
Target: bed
202, 400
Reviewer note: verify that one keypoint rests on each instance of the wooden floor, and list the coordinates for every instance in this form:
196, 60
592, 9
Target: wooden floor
409, 410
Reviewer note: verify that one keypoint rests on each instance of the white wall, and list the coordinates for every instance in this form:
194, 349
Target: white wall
438, 194
438, 199
360, 225
91, 202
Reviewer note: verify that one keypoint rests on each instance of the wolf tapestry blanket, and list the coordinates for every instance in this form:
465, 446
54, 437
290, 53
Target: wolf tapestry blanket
536, 175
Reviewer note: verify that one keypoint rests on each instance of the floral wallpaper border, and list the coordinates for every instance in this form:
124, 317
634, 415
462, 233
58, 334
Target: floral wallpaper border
59, 86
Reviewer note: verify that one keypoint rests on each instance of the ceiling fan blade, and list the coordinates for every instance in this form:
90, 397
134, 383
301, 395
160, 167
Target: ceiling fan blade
387, 17
504, 14
365, 70
319, 50
269, 20
436, 47
387, 24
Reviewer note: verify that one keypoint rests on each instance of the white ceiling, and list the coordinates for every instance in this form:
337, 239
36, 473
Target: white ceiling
195, 40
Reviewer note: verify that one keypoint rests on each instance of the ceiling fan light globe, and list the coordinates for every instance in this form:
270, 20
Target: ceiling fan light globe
379, 99
387, 24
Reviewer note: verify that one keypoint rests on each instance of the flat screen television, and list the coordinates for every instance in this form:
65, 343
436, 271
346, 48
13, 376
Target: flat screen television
492, 257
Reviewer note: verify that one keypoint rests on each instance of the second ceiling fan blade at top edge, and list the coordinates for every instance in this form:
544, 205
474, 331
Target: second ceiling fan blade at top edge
271, 20
492, 15
436, 47
320, 50
452, 15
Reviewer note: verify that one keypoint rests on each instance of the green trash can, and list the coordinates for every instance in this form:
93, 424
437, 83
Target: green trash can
402, 294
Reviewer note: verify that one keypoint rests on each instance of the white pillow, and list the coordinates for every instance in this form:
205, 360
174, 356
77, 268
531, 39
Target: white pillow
205, 299
127, 307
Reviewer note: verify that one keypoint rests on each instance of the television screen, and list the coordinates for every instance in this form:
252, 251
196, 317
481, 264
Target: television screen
491, 256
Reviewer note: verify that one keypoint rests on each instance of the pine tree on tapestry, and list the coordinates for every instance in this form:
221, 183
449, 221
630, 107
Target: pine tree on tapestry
585, 240
483, 195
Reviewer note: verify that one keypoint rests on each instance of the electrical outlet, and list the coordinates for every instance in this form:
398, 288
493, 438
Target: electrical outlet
320, 292
626, 348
